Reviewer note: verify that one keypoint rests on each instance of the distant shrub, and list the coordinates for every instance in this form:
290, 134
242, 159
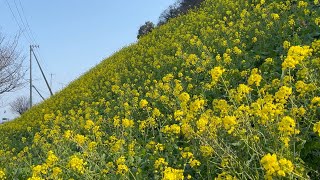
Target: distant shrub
228, 91
180, 7
171, 12
145, 29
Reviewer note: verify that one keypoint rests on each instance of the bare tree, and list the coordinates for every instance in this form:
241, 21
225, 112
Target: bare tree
20, 105
11, 70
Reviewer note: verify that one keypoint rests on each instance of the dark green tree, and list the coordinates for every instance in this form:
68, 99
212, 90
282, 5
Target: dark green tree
145, 29
180, 7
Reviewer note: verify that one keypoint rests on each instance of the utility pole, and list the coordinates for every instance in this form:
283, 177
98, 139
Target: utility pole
38, 92
44, 77
30, 98
31, 51
51, 74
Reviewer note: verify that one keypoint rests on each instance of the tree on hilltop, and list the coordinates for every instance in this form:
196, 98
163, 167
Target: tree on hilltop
145, 29
179, 8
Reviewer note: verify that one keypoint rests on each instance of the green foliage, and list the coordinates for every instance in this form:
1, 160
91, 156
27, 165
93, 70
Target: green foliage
179, 8
145, 29
228, 91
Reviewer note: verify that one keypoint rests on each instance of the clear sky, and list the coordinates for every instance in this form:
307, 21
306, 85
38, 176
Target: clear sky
73, 35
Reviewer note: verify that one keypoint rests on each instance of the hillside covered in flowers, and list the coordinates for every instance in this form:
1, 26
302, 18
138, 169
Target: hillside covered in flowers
227, 91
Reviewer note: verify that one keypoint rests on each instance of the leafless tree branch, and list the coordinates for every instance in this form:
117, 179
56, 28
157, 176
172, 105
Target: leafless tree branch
20, 105
11, 69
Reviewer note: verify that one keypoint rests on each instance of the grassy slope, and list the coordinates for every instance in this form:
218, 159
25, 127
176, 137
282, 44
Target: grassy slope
185, 48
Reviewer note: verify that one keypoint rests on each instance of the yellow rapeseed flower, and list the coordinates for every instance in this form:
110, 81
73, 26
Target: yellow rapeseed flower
275, 16
36, 170
80, 139
192, 59
77, 164
206, 151
202, 123
196, 105
2, 175
127, 123
121, 160
160, 163
275, 167
172, 174
194, 163
52, 158
187, 155
167, 78
255, 77
286, 167
92, 145
286, 45
270, 164
216, 73
229, 123
143, 103
67, 134
172, 129
184, 97
89, 124
283, 94
287, 126
302, 4
316, 127
122, 169
56, 171
296, 55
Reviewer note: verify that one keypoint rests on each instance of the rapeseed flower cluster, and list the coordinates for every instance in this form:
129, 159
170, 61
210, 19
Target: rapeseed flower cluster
316, 127
2, 175
172, 174
227, 91
122, 168
160, 164
275, 167
77, 164
255, 77
296, 55
216, 73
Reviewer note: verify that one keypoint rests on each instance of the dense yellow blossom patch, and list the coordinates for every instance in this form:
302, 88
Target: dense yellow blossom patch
227, 91
275, 167
77, 164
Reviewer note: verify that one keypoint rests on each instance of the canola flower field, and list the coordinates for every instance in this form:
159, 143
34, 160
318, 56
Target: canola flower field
227, 91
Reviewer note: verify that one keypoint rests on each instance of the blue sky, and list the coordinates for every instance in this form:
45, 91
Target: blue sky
73, 35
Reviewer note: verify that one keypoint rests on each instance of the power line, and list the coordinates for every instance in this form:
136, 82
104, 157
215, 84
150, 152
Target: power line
23, 23
45, 93
38, 92
26, 25
25, 28
42, 72
45, 65
16, 20
26, 20
30, 32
